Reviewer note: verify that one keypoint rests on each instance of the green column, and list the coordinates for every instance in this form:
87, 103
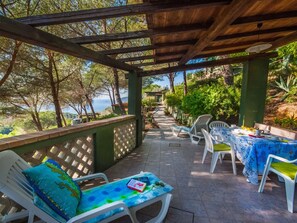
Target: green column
134, 103
103, 148
253, 92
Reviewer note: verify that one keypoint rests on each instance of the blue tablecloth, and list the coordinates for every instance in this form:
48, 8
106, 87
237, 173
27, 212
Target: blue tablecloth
253, 152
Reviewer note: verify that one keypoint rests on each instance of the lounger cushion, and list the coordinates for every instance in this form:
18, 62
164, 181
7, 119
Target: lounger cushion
118, 191
55, 188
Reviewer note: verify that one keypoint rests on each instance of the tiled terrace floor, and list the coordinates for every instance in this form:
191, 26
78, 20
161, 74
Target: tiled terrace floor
199, 196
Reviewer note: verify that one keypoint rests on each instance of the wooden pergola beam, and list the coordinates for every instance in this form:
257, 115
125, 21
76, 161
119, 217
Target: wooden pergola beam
28, 34
284, 40
117, 11
206, 64
266, 17
138, 34
128, 59
149, 47
246, 43
225, 18
257, 32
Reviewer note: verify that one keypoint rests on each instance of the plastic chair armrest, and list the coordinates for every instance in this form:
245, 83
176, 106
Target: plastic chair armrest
99, 211
92, 176
217, 138
271, 156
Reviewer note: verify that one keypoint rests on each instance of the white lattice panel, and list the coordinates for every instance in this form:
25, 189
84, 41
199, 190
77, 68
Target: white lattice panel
124, 139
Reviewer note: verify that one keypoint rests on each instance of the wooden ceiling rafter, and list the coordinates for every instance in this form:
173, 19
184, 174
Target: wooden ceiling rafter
117, 11
148, 47
28, 34
222, 21
257, 32
110, 37
265, 17
205, 64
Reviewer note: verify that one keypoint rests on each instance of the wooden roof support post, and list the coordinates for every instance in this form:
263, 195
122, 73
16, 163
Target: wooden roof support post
134, 103
25, 33
253, 91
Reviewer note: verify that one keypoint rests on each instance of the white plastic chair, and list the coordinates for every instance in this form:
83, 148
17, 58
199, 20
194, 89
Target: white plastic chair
218, 124
14, 185
285, 169
195, 131
217, 151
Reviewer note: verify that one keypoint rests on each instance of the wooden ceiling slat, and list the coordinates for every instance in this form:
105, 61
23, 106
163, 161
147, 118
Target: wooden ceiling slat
138, 34
25, 33
266, 17
117, 11
226, 17
257, 32
149, 47
206, 64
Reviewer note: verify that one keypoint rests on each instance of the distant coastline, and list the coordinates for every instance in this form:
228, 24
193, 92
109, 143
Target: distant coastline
100, 104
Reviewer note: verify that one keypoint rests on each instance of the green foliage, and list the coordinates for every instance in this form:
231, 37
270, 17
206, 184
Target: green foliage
112, 115
149, 102
173, 100
287, 122
215, 98
289, 87
151, 87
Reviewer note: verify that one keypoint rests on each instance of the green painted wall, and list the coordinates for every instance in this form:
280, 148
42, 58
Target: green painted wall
134, 103
253, 92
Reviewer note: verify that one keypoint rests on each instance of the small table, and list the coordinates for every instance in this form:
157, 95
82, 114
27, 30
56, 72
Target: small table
253, 151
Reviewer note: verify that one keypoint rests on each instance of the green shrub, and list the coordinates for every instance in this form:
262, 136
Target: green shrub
173, 100
112, 115
287, 122
217, 99
149, 102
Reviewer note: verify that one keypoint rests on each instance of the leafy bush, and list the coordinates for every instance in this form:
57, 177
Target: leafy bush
149, 102
287, 122
289, 87
112, 115
217, 99
173, 100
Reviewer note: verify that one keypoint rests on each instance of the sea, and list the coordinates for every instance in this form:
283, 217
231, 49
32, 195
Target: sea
99, 104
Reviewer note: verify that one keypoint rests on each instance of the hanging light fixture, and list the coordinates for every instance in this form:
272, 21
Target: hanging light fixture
260, 46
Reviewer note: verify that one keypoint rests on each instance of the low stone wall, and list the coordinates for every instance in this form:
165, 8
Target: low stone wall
277, 131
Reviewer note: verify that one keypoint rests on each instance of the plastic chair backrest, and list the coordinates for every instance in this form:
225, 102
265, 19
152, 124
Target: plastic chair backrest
208, 140
218, 124
12, 182
201, 122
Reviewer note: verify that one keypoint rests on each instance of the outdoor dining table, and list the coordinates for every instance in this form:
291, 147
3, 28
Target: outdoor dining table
253, 151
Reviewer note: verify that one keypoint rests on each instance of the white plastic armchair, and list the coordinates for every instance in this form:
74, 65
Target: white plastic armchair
195, 131
217, 150
285, 169
218, 124
15, 186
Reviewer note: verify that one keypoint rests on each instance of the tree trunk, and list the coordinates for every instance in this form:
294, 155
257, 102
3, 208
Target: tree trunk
86, 112
228, 73
185, 83
63, 117
36, 121
11, 63
54, 91
171, 82
91, 105
117, 91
